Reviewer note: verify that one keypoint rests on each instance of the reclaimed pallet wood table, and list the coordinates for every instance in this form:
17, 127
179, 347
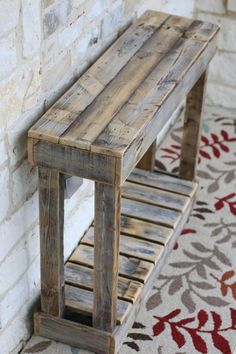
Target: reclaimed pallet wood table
106, 128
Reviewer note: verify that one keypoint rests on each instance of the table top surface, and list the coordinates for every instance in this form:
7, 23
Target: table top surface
116, 98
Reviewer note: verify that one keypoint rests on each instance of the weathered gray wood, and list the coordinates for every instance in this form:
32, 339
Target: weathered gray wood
192, 130
154, 196
81, 300
163, 181
129, 267
151, 213
159, 118
129, 246
83, 277
106, 255
148, 160
76, 162
73, 333
58, 119
51, 212
145, 230
122, 331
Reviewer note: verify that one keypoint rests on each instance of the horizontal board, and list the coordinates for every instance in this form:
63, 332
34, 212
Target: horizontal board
146, 230
151, 213
154, 196
163, 181
78, 275
129, 267
81, 300
131, 246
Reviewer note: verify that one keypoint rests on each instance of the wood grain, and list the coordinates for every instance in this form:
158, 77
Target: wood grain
83, 277
192, 130
147, 162
106, 255
51, 212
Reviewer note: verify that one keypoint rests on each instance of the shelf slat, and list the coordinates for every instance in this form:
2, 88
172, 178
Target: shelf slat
130, 246
81, 300
163, 181
82, 276
129, 267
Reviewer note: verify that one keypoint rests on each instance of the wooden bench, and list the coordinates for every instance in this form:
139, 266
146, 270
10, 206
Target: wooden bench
109, 121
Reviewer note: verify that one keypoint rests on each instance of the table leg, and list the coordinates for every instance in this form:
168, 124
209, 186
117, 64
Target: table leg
106, 255
51, 210
192, 130
147, 162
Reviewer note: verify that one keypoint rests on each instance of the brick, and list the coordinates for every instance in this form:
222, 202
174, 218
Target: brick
5, 200
9, 15
19, 92
214, 6
56, 17
19, 260
31, 15
227, 32
24, 183
3, 149
222, 68
71, 33
8, 55
13, 228
231, 5
54, 75
220, 95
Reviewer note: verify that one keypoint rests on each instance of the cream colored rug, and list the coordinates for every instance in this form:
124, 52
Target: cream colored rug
192, 307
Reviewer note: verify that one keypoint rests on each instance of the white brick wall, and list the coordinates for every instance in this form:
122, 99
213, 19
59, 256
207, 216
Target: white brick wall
221, 88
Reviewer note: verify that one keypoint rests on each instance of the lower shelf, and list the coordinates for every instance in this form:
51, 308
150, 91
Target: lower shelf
154, 208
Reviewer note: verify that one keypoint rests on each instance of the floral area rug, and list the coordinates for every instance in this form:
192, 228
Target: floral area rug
192, 307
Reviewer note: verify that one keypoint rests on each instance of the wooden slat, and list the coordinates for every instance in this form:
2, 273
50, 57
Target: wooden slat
81, 300
76, 162
142, 229
144, 103
148, 132
106, 255
93, 120
192, 130
51, 212
81, 276
154, 196
130, 246
131, 268
163, 181
84, 91
151, 213
72, 333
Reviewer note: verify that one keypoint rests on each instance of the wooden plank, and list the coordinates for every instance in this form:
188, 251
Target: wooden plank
106, 255
76, 162
92, 83
151, 213
51, 213
192, 130
93, 120
74, 334
145, 230
129, 267
83, 277
149, 131
81, 300
122, 331
147, 162
130, 246
154, 196
164, 182
144, 103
